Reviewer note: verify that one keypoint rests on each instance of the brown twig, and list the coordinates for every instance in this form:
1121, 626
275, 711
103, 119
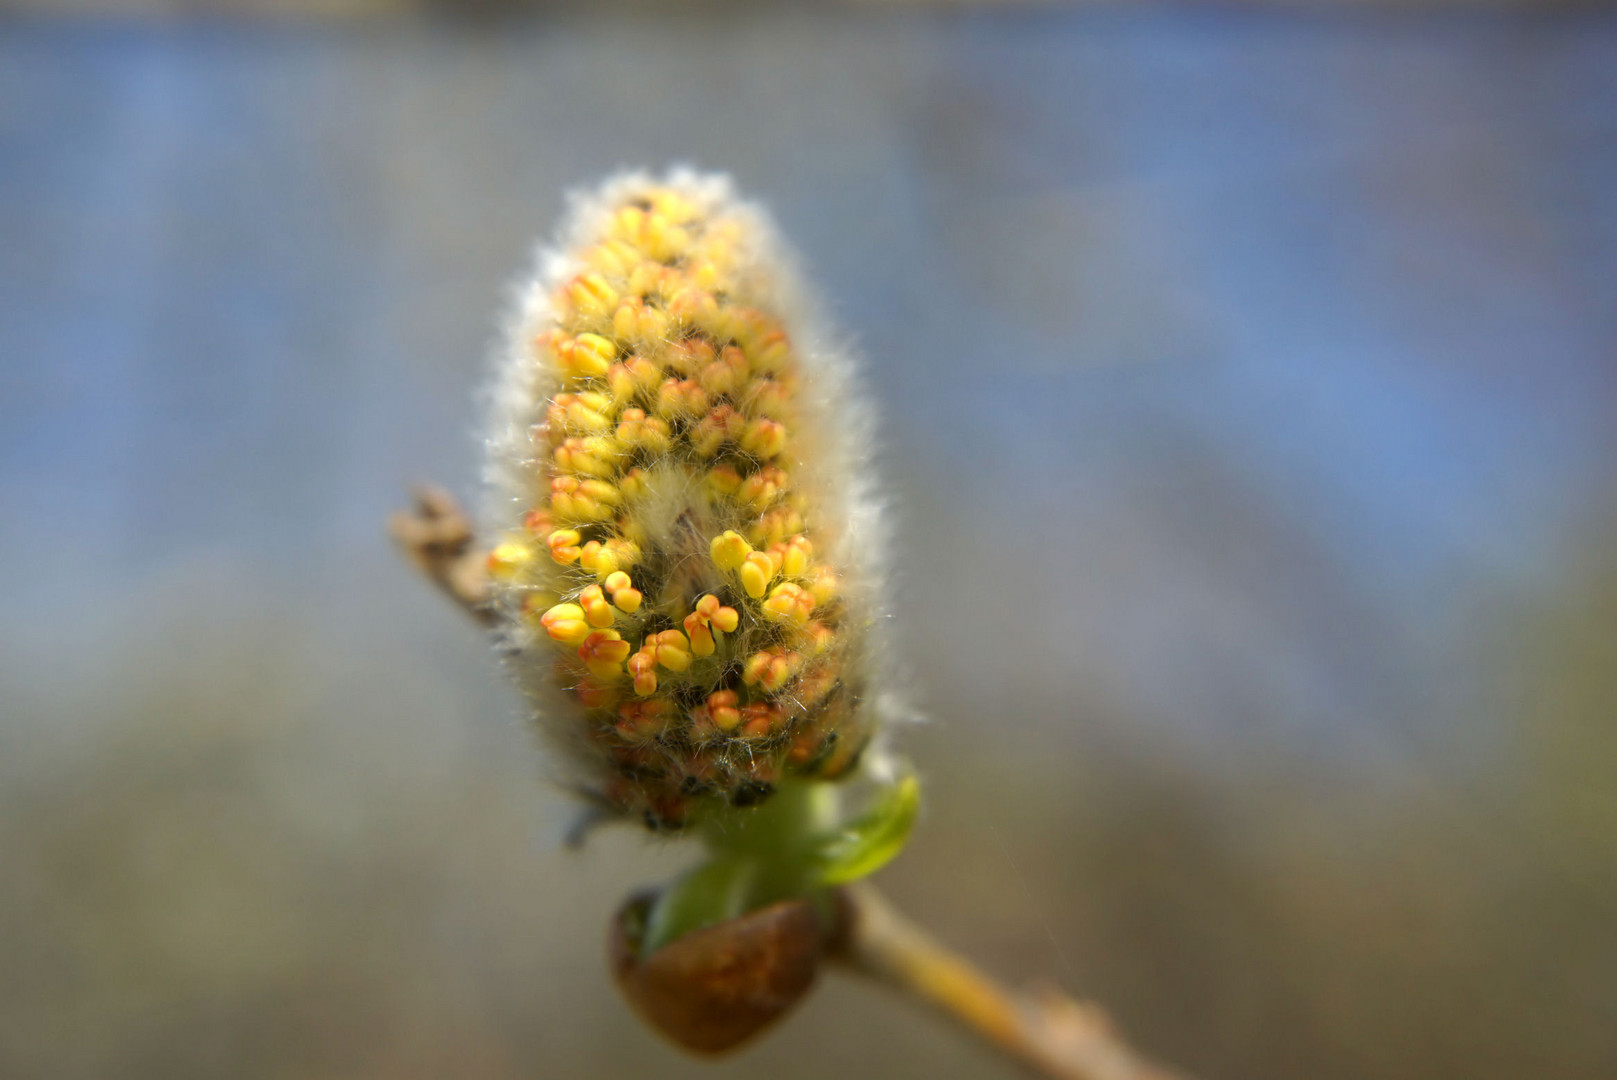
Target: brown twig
1045, 1031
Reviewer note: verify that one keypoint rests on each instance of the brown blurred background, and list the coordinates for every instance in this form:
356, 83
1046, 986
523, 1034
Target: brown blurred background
1249, 382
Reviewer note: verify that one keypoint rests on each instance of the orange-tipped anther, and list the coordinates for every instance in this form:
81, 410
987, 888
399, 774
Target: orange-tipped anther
642, 666
563, 546
625, 597
597, 612
726, 374
764, 438
644, 432
565, 623
603, 652
789, 603
673, 650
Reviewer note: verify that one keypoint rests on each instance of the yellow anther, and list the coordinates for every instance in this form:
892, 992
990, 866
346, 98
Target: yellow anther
723, 480
692, 307
627, 222
590, 295
673, 650
507, 559
632, 484
603, 652
715, 429
761, 488
795, 555
770, 669
764, 438
772, 352
587, 412
563, 545
709, 616
587, 356
724, 618
673, 205
729, 550
597, 612
625, 597
707, 275
651, 279
590, 412
613, 258
642, 667
766, 397
647, 432
702, 643
565, 623
744, 325
720, 708
636, 375
651, 231
598, 559
726, 374
789, 603
755, 573
681, 398
591, 455
582, 500
775, 526
665, 241
690, 355
761, 719
635, 320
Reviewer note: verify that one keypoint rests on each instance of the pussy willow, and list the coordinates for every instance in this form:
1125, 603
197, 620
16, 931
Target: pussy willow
686, 562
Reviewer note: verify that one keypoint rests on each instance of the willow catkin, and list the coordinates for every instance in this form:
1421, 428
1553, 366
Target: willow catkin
687, 548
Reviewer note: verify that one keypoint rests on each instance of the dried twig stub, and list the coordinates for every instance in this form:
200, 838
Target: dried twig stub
438, 539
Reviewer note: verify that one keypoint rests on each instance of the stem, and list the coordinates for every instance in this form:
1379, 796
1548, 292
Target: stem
1048, 1033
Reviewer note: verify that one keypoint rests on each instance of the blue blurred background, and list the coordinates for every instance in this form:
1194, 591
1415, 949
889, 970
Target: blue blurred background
1250, 394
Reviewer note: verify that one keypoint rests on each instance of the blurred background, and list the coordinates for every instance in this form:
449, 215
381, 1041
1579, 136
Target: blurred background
1250, 383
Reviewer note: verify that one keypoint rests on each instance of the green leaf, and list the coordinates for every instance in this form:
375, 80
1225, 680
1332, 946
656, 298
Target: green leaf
872, 841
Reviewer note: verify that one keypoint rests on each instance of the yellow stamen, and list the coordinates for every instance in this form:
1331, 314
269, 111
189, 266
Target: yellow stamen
755, 573
565, 623
563, 546
603, 652
729, 550
596, 610
507, 559
764, 438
